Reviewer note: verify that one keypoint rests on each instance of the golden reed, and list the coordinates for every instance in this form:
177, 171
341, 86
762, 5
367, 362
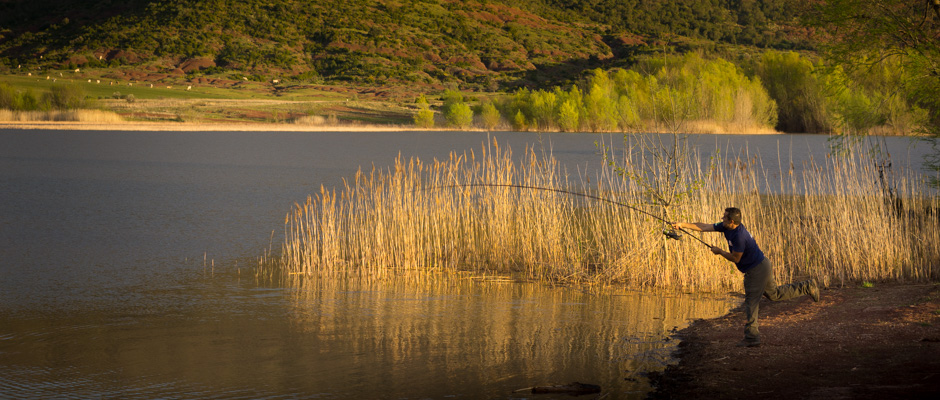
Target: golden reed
416, 217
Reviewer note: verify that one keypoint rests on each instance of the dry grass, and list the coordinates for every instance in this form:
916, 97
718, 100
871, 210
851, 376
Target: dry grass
310, 120
60, 116
413, 217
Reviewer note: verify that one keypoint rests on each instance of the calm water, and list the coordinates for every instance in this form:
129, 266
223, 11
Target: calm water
124, 272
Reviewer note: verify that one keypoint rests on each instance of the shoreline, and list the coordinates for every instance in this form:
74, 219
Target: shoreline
878, 342
199, 127
277, 127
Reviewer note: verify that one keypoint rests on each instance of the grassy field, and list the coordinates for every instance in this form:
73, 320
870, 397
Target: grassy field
247, 101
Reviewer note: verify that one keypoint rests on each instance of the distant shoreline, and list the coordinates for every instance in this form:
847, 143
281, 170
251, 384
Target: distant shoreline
200, 127
145, 126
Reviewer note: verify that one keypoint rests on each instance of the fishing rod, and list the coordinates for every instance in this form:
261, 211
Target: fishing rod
672, 234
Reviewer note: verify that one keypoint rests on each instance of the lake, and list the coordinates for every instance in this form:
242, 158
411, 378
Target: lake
127, 272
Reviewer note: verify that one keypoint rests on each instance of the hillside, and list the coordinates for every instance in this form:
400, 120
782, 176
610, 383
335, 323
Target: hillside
477, 44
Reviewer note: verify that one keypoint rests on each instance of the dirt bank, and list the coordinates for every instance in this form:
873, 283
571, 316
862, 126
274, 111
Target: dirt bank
856, 343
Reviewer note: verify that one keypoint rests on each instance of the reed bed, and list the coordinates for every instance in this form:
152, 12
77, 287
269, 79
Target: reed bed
833, 222
60, 116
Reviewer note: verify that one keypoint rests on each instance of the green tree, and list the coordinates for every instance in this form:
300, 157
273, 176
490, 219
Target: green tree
867, 33
424, 118
793, 83
490, 115
629, 117
599, 103
459, 115
568, 117
519, 121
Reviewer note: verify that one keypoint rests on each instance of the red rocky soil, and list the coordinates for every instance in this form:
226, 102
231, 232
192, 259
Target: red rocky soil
881, 342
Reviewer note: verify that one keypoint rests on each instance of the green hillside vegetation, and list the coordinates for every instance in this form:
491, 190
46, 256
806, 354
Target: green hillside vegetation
580, 65
472, 44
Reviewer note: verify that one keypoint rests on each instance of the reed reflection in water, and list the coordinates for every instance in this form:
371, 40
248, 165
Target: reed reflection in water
394, 339
486, 339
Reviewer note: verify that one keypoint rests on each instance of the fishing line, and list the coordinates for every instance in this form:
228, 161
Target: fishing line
672, 234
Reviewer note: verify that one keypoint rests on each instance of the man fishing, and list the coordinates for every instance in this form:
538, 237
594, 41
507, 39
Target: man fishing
758, 274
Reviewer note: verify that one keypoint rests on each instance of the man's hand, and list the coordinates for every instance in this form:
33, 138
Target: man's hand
717, 250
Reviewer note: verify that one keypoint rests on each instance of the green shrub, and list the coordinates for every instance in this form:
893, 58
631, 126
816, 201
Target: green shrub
424, 118
27, 101
459, 115
7, 96
490, 115
13, 99
66, 97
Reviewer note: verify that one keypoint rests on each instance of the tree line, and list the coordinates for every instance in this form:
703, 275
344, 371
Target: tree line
786, 91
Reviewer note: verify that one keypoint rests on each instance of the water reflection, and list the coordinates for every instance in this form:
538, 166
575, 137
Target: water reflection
402, 339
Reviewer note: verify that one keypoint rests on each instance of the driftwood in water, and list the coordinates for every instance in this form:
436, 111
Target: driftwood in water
571, 388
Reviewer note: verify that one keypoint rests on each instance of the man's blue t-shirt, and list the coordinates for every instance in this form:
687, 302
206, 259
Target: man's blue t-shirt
740, 240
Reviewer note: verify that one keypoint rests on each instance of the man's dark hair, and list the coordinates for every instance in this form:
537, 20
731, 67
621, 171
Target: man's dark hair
735, 214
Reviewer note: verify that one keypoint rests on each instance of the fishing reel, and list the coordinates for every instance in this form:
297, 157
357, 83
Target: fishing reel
672, 234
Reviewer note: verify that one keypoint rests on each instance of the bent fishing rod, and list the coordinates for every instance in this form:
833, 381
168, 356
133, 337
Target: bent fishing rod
669, 233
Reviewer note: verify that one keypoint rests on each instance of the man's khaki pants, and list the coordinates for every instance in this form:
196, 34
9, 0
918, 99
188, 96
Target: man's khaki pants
758, 281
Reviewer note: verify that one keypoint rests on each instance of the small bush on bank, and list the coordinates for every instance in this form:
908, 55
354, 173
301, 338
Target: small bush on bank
59, 97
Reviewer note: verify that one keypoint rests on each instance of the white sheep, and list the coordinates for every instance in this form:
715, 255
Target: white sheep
189, 87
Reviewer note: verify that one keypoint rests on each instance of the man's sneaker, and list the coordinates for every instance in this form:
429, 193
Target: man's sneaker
749, 343
814, 289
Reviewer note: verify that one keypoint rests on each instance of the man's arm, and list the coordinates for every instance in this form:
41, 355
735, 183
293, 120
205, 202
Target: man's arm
733, 257
694, 226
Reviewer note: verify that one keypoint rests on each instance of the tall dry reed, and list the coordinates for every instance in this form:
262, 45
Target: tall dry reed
832, 221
